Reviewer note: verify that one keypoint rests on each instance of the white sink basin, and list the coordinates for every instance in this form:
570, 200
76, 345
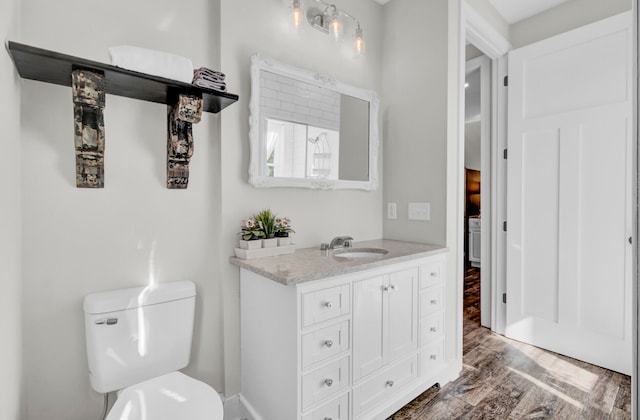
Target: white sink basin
360, 253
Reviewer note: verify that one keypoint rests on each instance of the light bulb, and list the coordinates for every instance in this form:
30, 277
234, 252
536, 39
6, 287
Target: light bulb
335, 26
297, 14
359, 41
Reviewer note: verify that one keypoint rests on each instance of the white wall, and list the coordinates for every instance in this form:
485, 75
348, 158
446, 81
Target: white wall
263, 26
78, 241
562, 18
11, 389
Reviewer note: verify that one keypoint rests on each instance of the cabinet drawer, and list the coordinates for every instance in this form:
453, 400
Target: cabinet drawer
431, 300
431, 274
324, 343
337, 409
324, 382
325, 304
383, 385
430, 328
431, 357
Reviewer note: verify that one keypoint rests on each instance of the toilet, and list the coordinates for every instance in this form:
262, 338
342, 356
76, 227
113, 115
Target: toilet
137, 340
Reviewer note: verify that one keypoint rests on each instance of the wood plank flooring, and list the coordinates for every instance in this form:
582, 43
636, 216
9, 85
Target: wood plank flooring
506, 379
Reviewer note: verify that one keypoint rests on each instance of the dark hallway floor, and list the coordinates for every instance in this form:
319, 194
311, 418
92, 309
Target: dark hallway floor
506, 379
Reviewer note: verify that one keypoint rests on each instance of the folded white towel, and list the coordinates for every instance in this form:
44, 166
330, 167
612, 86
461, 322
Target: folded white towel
153, 62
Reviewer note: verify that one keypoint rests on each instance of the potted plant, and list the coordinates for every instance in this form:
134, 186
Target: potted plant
251, 234
267, 223
282, 230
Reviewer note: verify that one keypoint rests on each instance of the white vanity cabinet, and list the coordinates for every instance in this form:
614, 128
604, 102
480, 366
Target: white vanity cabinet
347, 347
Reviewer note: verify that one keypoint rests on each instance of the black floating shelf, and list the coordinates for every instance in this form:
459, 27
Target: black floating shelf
52, 67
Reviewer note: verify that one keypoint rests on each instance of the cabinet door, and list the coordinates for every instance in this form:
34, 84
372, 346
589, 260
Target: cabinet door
368, 321
402, 329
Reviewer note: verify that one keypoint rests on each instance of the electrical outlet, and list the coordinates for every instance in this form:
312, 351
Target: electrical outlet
419, 211
392, 212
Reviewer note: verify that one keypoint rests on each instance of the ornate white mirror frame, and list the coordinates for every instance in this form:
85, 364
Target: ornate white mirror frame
259, 117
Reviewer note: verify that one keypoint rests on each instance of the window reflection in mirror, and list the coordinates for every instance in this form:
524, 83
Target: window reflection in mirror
297, 151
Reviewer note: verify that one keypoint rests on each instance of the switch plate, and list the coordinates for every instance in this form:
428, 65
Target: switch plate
419, 211
392, 212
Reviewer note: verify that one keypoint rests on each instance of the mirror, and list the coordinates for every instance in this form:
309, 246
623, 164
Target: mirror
310, 130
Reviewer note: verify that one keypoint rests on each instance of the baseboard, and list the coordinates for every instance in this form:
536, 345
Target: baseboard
247, 412
231, 407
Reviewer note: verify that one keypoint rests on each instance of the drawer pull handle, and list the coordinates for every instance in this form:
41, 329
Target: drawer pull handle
328, 418
433, 357
328, 305
434, 274
434, 301
389, 383
328, 344
328, 382
433, 329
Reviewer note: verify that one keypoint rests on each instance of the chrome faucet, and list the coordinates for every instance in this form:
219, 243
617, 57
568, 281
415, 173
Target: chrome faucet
341, 242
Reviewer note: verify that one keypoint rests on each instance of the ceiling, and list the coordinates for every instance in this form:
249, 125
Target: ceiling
516, 10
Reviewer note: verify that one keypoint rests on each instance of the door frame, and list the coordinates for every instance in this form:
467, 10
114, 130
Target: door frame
480, 33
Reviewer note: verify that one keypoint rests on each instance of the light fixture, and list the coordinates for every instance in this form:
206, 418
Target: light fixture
359, 40
327, 18
297, 14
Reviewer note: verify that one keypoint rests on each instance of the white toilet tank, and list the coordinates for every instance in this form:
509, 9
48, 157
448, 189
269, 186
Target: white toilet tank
138, 333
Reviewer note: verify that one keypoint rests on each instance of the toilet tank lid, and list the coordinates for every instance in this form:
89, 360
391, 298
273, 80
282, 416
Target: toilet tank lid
135, 297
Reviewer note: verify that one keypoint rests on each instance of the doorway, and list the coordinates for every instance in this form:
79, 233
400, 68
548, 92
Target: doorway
477, 196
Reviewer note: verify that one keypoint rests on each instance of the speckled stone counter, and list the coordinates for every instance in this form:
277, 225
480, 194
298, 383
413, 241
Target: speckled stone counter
312, 264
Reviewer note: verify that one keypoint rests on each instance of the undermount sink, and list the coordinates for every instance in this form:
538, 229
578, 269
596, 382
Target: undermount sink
360, 253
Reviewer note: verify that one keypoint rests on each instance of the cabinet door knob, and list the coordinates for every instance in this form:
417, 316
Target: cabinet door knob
328, 304
328, 382
433, 357
328, 343
433, 329
395, 288
434, 301
434, 274
389, 383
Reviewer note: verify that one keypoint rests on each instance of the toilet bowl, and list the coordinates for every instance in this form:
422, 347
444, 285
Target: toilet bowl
137, 340
168, 397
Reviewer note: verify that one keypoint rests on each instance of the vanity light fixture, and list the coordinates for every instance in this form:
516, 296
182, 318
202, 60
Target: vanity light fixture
297, 14
327, 18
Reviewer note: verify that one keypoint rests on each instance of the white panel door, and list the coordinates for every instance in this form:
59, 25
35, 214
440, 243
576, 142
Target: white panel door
569, 202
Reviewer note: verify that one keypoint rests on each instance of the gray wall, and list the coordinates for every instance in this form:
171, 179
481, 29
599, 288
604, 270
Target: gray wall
133, 231
414, 110
11, 389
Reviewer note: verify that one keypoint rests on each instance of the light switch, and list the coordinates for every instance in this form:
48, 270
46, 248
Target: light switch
392, 211
419, 211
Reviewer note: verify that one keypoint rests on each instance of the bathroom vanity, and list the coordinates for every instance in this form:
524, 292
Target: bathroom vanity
329, 337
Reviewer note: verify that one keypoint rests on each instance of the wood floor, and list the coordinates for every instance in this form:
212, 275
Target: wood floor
506, 379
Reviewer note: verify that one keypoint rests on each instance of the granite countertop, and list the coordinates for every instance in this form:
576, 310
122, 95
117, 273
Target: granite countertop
312, 264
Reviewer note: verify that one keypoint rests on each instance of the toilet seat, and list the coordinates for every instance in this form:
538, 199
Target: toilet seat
168, 397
